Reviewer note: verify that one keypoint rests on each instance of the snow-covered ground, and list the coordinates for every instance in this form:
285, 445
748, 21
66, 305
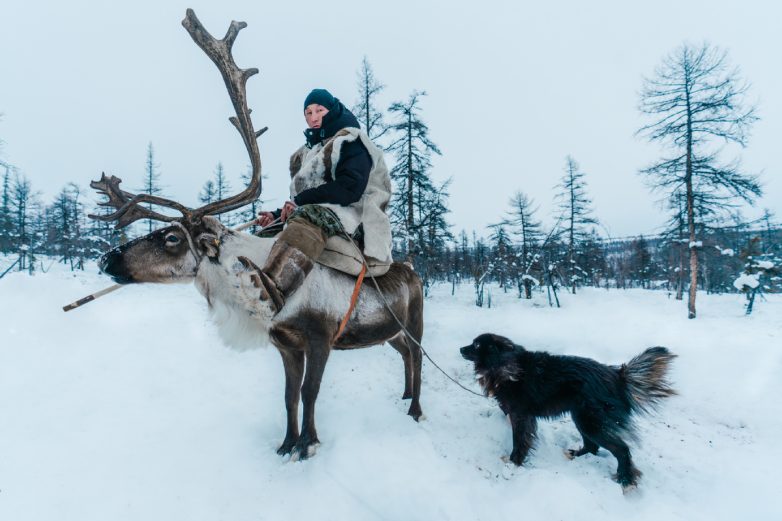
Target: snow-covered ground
131, 409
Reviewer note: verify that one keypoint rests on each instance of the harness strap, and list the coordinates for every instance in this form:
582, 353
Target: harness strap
190, 241
353, 300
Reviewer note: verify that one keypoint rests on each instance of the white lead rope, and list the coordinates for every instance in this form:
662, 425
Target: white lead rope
244, 226
399, 322
106, 291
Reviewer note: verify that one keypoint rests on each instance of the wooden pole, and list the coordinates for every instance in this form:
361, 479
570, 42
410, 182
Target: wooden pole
90, 298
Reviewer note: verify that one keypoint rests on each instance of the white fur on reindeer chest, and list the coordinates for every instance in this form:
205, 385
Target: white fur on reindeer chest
244, 321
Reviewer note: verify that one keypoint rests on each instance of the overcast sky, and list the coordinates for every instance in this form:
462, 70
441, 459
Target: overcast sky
512, 89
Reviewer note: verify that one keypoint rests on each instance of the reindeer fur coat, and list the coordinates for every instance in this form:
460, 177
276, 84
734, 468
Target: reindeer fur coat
309, 168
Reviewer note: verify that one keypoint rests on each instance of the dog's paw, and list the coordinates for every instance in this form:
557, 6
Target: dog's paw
570, 454
508, 470
517, 457
628, 480
630, 491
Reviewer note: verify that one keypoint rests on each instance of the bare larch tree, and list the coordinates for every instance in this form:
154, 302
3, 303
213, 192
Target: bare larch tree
151, 180
365, 108
528, 233
413, 149
696, 100
576, 214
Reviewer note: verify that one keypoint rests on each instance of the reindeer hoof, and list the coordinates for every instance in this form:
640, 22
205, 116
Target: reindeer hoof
415, 412
286, 448
304, 449
304, 453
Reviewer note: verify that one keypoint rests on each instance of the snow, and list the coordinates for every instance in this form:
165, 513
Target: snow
129, 408
765, 265
534, 281
748, 280
696, 244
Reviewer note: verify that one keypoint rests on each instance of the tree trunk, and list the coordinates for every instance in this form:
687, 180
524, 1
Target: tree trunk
750, 300
572, 252
410, 214
691, 217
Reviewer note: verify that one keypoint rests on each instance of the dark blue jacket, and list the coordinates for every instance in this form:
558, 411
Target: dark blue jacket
351, 174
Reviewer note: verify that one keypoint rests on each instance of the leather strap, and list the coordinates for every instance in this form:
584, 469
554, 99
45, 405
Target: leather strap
353, 300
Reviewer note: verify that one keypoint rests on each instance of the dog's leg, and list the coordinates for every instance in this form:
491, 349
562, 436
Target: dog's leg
590, 447
592, 428
626, 473
583, 425
524, 430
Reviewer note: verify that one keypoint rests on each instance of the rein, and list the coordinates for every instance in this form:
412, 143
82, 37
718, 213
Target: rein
343, 324
190, 242
193, 250
399, 322
353, 300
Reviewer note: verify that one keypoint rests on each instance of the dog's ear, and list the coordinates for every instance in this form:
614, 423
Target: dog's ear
502, 343
492, 354
499, 355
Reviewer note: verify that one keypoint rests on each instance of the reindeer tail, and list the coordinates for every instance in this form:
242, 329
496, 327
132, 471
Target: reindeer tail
645, 377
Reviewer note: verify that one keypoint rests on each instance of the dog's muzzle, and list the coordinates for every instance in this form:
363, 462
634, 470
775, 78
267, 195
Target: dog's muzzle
468, 353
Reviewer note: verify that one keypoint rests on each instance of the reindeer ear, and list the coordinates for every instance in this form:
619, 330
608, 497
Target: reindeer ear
212, 224
209, 244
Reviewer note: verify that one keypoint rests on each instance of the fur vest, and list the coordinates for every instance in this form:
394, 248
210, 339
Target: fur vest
309, 167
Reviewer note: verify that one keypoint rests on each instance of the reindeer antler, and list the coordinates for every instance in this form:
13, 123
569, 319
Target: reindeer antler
219, 51
127, 205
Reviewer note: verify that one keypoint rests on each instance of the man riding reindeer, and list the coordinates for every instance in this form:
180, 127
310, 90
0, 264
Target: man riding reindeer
339, 184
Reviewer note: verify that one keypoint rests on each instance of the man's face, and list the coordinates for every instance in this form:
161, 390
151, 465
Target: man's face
314, 115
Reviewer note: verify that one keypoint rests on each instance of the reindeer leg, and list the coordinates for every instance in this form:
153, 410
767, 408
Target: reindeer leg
317, 356
415, 325
293, 361
400, 344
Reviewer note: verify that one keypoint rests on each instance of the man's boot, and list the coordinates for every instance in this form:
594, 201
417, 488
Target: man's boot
290, 260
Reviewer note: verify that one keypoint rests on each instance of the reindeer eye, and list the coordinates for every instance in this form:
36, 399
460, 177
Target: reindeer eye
172, 239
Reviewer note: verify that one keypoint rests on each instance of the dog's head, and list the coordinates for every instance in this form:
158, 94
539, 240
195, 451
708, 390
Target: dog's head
488, 350
495, 358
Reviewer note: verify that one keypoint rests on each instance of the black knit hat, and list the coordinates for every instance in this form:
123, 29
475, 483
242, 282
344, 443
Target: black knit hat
321, 97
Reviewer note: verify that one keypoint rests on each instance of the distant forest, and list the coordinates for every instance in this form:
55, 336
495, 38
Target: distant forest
693, 102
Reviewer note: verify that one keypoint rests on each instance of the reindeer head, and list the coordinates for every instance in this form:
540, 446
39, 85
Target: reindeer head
173, 254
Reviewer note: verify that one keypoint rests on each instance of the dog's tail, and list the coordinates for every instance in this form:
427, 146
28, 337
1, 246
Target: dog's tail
645, 377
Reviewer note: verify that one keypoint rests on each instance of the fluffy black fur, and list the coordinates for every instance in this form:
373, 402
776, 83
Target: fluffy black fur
601, 399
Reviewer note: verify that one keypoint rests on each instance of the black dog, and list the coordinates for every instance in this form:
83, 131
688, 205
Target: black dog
601, 399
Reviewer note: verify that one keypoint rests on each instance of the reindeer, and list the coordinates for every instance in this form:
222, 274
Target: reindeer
197, 247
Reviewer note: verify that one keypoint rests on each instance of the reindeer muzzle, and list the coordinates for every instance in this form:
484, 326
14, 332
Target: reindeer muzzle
112, 264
